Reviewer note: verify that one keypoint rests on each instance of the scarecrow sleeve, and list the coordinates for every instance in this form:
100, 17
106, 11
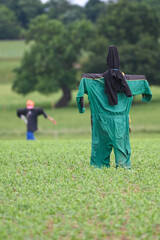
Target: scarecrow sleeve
21, 111
139, 85
80, 96
40, 111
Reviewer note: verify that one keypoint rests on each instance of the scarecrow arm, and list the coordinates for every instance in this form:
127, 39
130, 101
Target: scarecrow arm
52, 120
80, 96
139, 85
24, 119
21, 111
40, 111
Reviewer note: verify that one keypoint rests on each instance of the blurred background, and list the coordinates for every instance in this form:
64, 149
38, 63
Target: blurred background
45, 46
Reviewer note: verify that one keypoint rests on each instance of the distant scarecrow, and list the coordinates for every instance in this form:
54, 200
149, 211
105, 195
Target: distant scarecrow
110, 95
30, 115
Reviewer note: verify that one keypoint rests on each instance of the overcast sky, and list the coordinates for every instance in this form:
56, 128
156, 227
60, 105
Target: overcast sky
79, 2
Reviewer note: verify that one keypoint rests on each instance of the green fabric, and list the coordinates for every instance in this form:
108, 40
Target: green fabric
140, 87
110, 123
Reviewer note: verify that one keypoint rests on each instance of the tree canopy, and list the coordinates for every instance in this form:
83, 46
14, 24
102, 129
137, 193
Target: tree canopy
49, 65
24, 10
93, 9
136, 32
9, 27
63, 39
127, 22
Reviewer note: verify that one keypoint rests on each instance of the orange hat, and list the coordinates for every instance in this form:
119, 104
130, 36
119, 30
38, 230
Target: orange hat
30, 103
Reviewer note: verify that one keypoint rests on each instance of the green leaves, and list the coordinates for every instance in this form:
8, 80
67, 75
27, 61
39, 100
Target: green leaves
9, 26
127, 22
24, 11
49, 65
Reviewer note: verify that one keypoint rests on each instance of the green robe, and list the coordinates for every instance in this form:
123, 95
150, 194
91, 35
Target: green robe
110, 127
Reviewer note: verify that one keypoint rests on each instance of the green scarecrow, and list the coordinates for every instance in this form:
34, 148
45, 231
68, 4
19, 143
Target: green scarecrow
110, 95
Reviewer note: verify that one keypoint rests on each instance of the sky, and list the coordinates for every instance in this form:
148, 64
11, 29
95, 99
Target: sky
79, 2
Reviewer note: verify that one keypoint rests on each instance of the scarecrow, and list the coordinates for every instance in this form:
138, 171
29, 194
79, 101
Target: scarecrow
110, 95
29, 115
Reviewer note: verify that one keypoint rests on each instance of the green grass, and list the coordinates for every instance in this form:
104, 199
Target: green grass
70, 125
145, 117
48, 191
11, 53
13, 49
6, 70
11, 100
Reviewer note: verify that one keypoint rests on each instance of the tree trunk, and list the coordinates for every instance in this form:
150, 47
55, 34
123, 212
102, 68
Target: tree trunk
63, 102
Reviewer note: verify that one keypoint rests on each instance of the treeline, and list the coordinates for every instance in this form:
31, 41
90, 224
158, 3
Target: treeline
69, 39
15, 16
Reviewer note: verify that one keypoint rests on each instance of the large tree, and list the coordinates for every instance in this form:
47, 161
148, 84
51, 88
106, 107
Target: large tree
49, 65
63, 10
54, 8
127, 21
93, 9
97, 55
25, 10
9, 26
142, 58
155, 4
134, 27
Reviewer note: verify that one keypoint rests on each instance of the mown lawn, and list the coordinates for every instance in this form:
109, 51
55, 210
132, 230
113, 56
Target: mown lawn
49, 191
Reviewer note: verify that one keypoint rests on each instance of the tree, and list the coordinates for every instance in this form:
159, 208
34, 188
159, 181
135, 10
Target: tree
141, 58
64, 11
155, 4
9, 27
134, 28
50, 63
94, 8
24, 10
74, 13
127, 21
97, 55
54, 8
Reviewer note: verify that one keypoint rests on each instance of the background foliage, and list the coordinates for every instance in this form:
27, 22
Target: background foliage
69, 39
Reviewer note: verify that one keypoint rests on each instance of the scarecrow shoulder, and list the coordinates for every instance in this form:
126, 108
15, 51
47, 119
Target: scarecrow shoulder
92, 75
135, 77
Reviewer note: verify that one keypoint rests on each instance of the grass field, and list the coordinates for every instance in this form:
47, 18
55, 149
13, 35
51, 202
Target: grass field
48, 191
11, 53
47, 188
145, 117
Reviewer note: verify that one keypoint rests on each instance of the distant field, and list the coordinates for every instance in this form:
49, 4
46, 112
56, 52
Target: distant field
13, 49
6, 70
48, 191
47, 188
11, 53
145, 117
